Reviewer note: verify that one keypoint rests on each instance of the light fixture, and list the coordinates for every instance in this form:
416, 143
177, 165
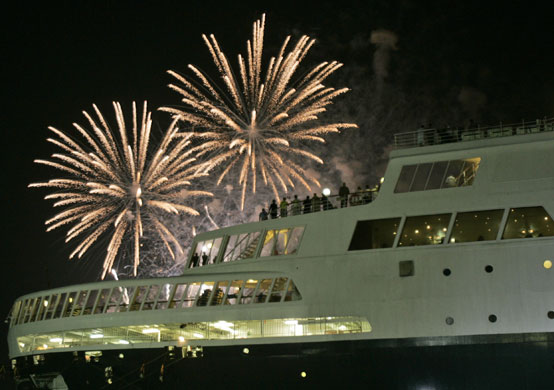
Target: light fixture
303, 374
123, 342
198, 335
291, 322
246, 351
181, 339
326, 191
56, 340
96, 336
547, 264
150, 330
45, 303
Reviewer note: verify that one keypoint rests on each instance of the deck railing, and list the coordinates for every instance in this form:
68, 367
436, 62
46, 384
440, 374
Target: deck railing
425, 137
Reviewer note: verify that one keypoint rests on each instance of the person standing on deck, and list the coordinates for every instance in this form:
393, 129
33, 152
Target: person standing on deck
263, 215
273, 209
284, 207
296, 207
343, 194
316, 203
307, 205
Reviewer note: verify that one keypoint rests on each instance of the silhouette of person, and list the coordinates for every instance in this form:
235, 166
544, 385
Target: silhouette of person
316, 203
343, 194
263, 215
194, 261
307, 205
284, 207
205, 259
296, 207
273, 209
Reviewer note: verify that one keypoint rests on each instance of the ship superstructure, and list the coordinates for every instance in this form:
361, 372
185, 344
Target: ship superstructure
447, 267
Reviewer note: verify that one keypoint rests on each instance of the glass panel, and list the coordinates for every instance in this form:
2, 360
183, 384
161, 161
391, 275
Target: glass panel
528, 222
114, 299
405, 178
219, 293
476, 226
51, 306
164, 296
294, 240
233, 293
425, 230
437, 175
242, 246
148, 304
40, 309
90, 302
248, 291
269, 243
191, 293
14, 317
230, 248
374, 234
102, 299
126, 295
278, 290
138, 298
178, 296
292, 293
469, 171
79, 303
420, 178
453, 177
263, 290
29, 308
69, 304
205, 294
59, 306
215, 249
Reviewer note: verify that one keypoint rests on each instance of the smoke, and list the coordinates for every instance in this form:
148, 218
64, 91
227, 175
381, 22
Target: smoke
472, 100
385, 41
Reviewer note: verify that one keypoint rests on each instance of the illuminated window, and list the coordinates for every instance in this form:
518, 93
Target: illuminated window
278, 290
476, 226
281, 242
262, 292
373, 234
241, 246
248, 291
424, 230
440, 174
234, 292
219, 292
205, 252
528, 222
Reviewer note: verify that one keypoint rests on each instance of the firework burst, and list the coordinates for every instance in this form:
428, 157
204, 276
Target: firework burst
118, 187
258, 123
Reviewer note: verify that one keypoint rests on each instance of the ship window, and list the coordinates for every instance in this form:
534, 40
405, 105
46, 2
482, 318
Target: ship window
476, 226
248, 291
148, 303
89, 305
51, 306
190, 295
140, 294
113, 300
219, 293
79, 303
282, 242
241, 246
292, 293
424, 230
440, 174
126, 296
163, 296
206, 251
234, 291
36, 308
263, 289
205, 293
373, 234
102, 300
278, 289
177, 296
528, 222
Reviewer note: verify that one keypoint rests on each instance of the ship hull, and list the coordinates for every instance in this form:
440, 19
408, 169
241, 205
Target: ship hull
471, 362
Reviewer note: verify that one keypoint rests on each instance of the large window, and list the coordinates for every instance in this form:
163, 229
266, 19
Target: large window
476, 226
528, 222
282, 241
241, 246
373, 234
440, 174
424, 230
205, 252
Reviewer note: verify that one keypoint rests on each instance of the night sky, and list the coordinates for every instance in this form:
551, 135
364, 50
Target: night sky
452, 61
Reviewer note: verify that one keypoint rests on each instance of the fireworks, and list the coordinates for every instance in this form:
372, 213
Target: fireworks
258, 123
119, 188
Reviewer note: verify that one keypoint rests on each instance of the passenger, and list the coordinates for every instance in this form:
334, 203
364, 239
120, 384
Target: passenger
194, 261
263, 215
307, 205
420, 136
343, 194
316, 203
273, 209
325, 202
205, 259
296, 207
355, 198
284, 207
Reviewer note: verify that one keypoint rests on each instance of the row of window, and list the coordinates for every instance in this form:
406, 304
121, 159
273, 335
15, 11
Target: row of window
435, 175
180, 334
523, 222
275, 242
154, 297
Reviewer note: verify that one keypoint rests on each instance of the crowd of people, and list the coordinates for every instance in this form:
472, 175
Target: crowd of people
317, 203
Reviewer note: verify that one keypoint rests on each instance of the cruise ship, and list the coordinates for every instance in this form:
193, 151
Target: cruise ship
440, 279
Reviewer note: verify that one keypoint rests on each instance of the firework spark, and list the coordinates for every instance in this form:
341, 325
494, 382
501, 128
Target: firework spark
257, 123
114, 183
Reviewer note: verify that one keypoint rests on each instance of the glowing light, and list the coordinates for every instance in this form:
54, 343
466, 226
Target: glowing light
547, 264
342, 328
326, 191
444, 229
45, 303
181, 339
381, 180
96, 336
303, 374
291, 322
257, 123
246, 351
123, 342
198, 335
116, 186
56, 340
416, 231
150, 330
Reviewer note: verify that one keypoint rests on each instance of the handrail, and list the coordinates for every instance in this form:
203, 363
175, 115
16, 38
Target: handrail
425, 137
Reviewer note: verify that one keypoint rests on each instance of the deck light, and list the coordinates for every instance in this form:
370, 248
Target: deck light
56, 340
291, 322
547, 264
45, 303
181, 339
123, 342
96, 336
326, 191
303, 374
150, 330
246, 351
198, 335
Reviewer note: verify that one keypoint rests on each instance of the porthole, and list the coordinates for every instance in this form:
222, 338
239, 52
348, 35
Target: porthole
550, 314
492, 318
547, 264
489, 269
449, 320
446, 272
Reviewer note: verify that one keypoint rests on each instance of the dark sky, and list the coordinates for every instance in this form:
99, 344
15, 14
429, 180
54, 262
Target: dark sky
59, 59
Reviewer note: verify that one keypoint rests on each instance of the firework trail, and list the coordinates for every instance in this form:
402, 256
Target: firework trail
258, 123
116, 186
